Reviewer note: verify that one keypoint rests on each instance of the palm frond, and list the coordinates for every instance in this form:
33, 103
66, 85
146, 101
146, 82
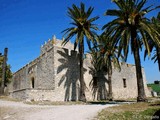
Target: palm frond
117, 13
145, 41
89, 11
140, 5
93, 19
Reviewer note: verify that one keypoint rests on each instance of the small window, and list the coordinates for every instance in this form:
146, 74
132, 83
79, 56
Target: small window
32, 82
124, 83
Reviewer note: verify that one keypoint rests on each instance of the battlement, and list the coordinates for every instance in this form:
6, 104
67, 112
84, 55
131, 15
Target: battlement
55, 42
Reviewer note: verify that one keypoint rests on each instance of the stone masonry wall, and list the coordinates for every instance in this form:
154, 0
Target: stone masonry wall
128, 74
120, 91
66, 74
56, 77
45, 71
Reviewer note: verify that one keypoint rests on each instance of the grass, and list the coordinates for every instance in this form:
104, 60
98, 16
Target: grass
32, 102
155, 87
9, 98
134, 111
55, 103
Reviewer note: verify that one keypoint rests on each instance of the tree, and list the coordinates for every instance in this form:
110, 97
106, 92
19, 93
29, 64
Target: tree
5, 72
108, 58
129, 28
94, 71
3, 79
82, 28
98, 74
152, 45
8, 75
104, 58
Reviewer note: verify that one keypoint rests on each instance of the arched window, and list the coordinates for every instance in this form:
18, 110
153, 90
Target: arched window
32, 82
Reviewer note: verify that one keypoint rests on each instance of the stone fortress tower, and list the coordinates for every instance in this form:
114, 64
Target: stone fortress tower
54, 76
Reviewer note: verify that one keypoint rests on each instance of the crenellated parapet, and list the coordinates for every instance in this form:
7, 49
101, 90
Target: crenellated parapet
55, 42
48, 45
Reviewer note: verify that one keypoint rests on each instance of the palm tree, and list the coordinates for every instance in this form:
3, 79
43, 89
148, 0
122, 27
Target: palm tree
98, 74
152, 45
109, 57
127, 29
82, 28
104, 56
94, 70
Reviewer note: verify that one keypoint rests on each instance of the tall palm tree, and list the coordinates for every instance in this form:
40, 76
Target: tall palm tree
152, 45
82, 28
128, 28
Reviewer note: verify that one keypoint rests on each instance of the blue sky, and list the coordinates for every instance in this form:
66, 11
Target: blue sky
26, 24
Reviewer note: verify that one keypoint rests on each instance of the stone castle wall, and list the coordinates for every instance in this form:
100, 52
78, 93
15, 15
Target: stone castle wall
128, 73
54, 76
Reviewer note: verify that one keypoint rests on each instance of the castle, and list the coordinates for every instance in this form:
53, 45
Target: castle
54, 76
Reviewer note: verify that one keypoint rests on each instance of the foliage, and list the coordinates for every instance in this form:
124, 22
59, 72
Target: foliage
129, 29
155, 49
104, 57
129, 16
155, 87
94, 71
82, 27
8, 72
108, 53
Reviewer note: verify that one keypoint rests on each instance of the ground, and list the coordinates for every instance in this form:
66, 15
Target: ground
10, 110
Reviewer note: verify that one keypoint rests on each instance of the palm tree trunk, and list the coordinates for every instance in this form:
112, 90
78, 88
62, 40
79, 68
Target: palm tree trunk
141, 93
82, 83
140, 85
110, 97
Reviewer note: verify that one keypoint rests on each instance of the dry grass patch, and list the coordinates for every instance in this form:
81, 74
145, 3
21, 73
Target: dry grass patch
7, 98
54, 103
134, 111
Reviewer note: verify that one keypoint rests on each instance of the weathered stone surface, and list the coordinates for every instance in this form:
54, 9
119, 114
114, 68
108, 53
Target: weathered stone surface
54, 76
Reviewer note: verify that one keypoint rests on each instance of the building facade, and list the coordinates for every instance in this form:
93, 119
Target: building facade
54, 76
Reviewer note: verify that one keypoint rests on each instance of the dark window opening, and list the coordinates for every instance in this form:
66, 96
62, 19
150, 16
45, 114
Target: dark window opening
32, 82
124, 83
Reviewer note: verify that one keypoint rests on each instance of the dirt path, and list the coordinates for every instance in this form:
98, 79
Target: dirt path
20, 111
